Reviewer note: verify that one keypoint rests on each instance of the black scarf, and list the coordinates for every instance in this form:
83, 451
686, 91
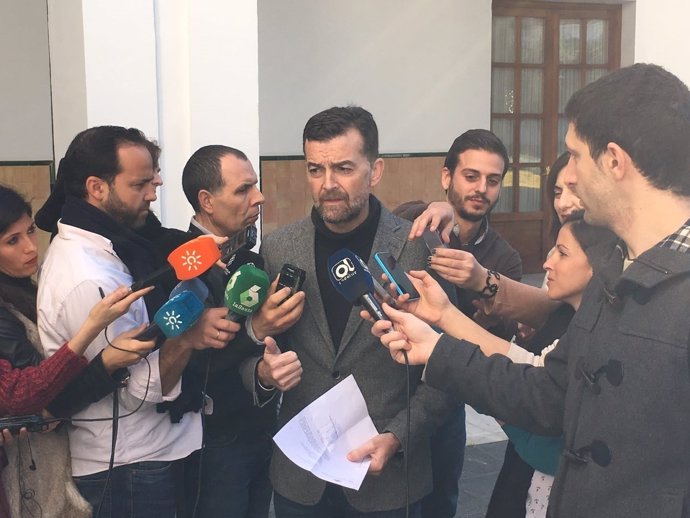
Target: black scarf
21, 293
140, 255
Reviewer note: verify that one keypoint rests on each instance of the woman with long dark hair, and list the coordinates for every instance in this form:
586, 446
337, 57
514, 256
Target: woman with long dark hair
37, 479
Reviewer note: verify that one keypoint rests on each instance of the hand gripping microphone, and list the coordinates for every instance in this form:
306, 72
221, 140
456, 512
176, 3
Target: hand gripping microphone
245, 292
189, 260
174, 317
351, 278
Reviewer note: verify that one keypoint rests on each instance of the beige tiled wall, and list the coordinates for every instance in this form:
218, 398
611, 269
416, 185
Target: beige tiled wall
284, 185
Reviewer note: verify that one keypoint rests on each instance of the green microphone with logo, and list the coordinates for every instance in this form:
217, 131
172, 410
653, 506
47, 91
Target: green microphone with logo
245, 292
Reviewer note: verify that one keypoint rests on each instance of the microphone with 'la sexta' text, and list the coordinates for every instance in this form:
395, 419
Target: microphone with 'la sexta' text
351, 278
174, 317
245, 292
189, 260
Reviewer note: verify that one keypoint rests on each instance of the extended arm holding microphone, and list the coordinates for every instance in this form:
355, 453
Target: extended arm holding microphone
435, 309
428, 407
212, 330
351, 278
187, 325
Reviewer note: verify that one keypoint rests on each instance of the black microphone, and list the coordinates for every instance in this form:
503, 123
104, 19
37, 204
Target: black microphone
243, 256
352, 279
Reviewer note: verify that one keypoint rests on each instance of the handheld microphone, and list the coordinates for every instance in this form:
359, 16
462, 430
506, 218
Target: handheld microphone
352, 279
240, 257
174, 317
189, 260
196, 286
245, 292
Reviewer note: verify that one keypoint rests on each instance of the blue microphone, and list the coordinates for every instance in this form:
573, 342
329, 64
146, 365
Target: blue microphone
174, 317
351, 278
196, 286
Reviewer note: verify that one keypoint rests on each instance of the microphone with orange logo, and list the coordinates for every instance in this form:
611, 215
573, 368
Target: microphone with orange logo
189, 260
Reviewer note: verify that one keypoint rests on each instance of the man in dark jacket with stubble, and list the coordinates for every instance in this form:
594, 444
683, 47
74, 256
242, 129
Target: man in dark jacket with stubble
243, 380
472, 173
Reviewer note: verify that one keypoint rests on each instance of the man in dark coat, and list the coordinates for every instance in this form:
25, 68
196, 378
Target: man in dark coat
618, 383
243, 380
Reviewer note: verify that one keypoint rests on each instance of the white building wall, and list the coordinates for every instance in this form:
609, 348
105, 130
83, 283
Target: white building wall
188, 72
661, 35
25, 128
423, 72
67, 73
184, 72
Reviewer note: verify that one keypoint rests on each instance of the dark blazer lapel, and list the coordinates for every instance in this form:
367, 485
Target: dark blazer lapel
390, 237
304, 244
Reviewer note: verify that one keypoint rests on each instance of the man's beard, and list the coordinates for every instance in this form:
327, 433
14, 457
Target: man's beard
459, 205
117, 210
342, 214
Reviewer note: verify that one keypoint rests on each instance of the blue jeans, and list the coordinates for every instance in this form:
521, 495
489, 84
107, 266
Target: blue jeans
333, 504
447, 458
138, 490
234, 478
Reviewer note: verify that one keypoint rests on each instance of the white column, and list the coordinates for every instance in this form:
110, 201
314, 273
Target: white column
174, 109
184, 72
224, 75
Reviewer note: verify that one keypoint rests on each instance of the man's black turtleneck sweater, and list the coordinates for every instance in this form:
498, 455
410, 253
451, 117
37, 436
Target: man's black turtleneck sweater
326, 243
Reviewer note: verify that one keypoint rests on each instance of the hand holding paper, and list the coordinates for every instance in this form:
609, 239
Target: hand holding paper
322, 435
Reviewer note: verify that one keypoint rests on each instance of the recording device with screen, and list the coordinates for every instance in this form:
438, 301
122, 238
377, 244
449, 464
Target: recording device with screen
245, 238
291, 277
33, 423
396, 274
432, 240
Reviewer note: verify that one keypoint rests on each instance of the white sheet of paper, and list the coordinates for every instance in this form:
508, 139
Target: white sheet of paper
319, 438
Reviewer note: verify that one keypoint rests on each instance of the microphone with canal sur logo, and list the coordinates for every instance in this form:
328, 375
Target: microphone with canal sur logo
174, 317
189, 260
